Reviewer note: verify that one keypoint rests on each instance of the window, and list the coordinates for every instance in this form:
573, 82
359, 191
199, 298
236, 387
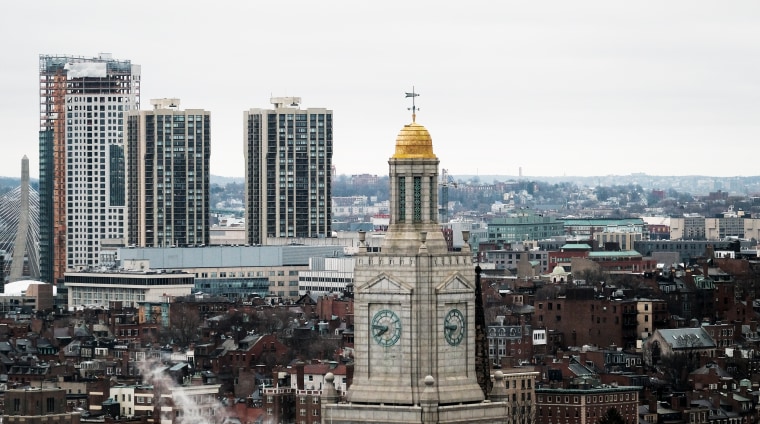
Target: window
401, 200
433, 188
417, 199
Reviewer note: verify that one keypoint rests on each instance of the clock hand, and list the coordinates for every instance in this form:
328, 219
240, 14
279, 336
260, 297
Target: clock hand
450, 327
382, 328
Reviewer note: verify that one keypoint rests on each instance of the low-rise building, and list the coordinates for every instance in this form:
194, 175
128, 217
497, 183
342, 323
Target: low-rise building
34, 294
192, 403
524, 227
667, 342
129, 287
133, 400
37, 406
585, 403
510, 259
520, 384
235, 271
588, 228
326, 276
614, 262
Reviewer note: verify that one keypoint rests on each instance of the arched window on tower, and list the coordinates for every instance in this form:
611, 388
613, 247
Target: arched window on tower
401, 201
432, 189
417, 199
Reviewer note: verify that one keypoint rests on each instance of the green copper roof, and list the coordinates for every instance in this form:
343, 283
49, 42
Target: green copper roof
621, 254
576, 246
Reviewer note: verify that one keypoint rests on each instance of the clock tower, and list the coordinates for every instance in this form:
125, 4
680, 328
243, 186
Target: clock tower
415, 300
414, 310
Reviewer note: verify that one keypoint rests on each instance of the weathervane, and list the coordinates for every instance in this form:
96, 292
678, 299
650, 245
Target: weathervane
414, 108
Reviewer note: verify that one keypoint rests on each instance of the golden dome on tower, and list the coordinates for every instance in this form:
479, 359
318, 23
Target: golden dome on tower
414, 142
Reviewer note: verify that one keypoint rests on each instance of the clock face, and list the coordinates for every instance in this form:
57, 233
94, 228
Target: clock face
454, 327
386, 327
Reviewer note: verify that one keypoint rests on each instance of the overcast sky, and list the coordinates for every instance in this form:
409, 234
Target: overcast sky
552, 87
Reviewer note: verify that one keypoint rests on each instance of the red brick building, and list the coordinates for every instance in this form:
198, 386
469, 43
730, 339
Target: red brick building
585, 404
252, 351
582, 318
37, 406
332, 308
564, 256
614, 262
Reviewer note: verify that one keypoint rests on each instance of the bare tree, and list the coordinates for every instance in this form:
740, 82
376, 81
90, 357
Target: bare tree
274, 320
612, 416
549, 291
184, 323
321, 347
677, 365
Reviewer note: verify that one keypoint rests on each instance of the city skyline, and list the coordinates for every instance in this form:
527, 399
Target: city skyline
549, 89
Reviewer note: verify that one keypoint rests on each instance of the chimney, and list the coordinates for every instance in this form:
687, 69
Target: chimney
653, 404
300, 375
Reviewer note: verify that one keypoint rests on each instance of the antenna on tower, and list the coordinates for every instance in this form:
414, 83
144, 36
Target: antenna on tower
414, 108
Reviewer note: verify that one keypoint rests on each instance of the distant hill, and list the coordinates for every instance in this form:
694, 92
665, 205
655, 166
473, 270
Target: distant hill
9, 183
694, 184
223, 181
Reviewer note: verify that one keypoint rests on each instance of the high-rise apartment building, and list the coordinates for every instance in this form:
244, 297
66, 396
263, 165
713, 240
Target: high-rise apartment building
288, 162
167, 154
82, 185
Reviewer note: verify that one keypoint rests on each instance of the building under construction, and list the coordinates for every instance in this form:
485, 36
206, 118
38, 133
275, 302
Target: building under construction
82, 107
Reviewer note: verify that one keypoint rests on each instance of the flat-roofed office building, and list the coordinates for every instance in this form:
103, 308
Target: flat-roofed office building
129, 287
234, 271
